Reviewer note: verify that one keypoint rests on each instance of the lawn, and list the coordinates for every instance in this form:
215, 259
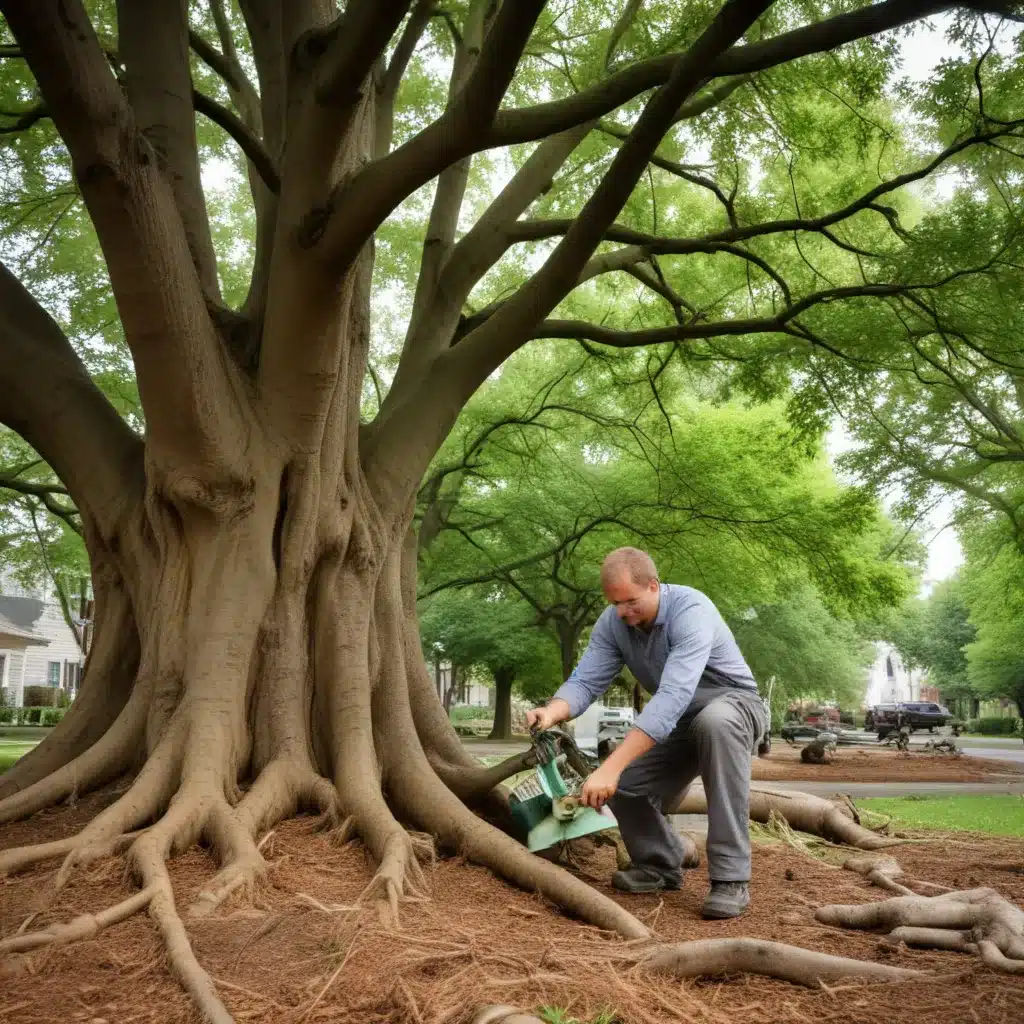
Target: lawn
11, 750
1001, 815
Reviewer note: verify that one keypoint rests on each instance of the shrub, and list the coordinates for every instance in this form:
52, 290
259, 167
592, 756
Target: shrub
51, 716
994, 726
8, 716
31, 716
40, 696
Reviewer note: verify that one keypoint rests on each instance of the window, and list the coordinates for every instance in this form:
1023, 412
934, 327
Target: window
888, 667
53, 673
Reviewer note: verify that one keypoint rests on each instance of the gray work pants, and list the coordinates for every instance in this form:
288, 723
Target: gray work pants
715, 739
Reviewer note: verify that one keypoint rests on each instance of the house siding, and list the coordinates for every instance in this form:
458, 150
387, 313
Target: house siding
62, 649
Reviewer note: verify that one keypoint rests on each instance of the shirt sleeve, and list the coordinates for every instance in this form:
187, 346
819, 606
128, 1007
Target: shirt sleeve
691, 636
601, 663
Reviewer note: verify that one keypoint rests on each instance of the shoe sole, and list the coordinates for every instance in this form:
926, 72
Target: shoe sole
654, 887
710, 914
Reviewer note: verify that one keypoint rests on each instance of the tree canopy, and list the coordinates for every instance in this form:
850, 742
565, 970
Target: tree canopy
257, 257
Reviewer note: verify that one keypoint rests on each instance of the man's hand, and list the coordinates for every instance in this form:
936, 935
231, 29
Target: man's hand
600, 786
602, 783
548, 716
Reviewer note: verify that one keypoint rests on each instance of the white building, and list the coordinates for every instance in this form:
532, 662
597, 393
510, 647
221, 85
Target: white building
37, 648
889, 680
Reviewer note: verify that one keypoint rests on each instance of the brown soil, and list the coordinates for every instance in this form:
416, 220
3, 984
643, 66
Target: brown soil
476, 941
860, 765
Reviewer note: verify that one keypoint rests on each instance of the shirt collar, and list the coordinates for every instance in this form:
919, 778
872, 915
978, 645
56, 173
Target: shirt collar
662, 617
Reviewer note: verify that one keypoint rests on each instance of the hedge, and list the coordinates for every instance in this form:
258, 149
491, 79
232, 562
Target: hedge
994, 726
40, 696
47, 716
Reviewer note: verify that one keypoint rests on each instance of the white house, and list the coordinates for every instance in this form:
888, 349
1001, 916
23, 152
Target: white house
889, 680
37, 647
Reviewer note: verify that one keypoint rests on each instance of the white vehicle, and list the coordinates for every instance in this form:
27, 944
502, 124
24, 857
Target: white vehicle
598, 723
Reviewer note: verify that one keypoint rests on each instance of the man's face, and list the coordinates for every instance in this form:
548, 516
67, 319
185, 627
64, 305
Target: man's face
635, 603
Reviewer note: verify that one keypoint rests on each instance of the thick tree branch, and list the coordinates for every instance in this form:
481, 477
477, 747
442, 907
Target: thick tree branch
52, 402
227, 65
524, 125
451, 185
691, 331
360, 205
351, 46
133, 208
387, 88
247, 139
459, 371
153, 45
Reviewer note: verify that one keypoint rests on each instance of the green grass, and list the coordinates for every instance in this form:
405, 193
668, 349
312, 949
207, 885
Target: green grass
11, 750
1001, 815
33, 733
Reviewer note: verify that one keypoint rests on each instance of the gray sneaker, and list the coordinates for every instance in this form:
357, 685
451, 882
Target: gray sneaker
726, 899
642, 879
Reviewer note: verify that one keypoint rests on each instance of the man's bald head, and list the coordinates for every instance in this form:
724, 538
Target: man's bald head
637, 565
629, 580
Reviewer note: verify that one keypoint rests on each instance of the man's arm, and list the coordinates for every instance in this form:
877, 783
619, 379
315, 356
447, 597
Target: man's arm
597, 669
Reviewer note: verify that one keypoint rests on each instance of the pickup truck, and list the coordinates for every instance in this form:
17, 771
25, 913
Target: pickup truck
919, 714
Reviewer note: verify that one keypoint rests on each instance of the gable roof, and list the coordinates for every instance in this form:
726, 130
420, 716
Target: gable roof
9, 629
22, 612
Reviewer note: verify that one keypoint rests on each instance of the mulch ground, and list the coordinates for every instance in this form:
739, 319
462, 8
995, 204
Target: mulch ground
856, 764
301, 949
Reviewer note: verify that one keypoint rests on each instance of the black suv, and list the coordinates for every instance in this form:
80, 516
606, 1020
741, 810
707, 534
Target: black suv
918, 714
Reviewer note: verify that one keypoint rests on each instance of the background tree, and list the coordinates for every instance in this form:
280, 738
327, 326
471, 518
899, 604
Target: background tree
808, 652
933, 634
994, 588
248, 534
474, 627
727, 499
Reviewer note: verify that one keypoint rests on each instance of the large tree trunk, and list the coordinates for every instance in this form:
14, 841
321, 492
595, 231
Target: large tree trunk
504, 677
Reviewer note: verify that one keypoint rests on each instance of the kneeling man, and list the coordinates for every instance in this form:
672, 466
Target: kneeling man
705, 718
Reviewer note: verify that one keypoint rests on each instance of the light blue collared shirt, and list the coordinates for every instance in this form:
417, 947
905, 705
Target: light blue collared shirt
689, 645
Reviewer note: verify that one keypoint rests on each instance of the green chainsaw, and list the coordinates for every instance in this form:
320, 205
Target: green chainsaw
546, 806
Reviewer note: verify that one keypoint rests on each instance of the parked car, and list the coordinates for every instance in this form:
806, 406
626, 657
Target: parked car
808, 730
876, 713
918, 714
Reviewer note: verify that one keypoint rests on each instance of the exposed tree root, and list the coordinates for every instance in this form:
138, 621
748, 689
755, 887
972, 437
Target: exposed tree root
974, 920
105, 760
84, 926
803, 811
710, 957
772, 959
21, 857
182, 959
107, 685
